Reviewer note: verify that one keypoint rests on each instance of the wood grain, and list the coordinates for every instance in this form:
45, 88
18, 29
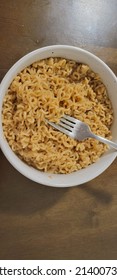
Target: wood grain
39, 222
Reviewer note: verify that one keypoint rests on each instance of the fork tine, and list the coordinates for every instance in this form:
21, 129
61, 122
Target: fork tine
70, 119
60, 128
65, 125
68, 123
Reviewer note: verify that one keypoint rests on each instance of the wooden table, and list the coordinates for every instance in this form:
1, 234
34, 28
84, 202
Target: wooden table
40, 222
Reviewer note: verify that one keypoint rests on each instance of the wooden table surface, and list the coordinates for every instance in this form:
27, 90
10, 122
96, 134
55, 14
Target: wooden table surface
40, 222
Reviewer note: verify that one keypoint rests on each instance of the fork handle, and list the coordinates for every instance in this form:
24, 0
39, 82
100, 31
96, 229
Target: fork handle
105, 141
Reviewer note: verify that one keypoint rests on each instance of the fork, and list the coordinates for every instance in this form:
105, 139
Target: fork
78, 130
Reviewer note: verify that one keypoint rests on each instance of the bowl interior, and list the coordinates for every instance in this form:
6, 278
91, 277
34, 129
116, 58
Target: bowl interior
110, 81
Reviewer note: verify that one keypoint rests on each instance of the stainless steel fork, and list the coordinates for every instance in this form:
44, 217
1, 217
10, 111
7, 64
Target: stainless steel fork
78, 130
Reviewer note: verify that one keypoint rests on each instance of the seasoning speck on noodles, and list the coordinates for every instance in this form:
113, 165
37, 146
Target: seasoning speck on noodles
46, 90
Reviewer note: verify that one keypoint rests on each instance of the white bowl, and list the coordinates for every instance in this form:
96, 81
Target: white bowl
109, 79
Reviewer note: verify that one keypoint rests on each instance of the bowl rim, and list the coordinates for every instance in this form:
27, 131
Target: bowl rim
60, 180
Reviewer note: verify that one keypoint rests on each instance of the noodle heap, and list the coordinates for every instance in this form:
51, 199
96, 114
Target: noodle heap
46, 90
